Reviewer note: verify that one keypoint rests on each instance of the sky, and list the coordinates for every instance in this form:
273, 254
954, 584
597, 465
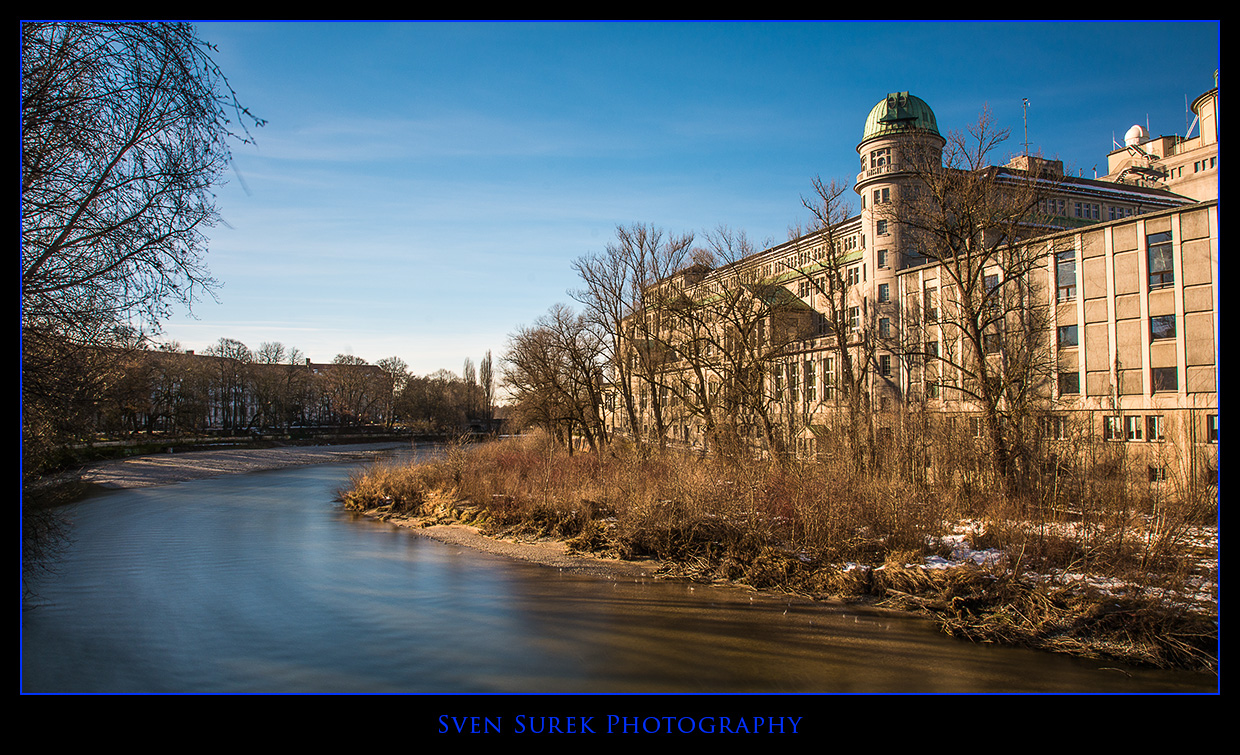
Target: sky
420, 190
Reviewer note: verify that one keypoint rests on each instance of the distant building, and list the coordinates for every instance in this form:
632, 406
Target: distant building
180, 393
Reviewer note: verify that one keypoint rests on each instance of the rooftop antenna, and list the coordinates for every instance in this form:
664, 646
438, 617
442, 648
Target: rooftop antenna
1025, 111
1188, 131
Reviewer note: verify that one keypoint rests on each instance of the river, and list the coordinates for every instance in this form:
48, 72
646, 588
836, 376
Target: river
262, 583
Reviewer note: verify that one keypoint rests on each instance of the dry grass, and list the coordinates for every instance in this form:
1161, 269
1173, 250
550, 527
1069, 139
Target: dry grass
820, 529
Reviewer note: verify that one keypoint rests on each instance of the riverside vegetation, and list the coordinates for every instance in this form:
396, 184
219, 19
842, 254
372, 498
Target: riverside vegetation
1113, 572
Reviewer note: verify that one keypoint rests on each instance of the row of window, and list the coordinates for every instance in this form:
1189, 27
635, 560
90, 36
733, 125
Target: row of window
1088, 210
1130, 427
800, 380
1150, 428
1159, 258
1205, 164
1162, 328
1083, 210
1162, 379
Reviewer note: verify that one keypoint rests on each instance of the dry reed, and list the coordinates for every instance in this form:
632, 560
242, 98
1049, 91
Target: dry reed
821, 528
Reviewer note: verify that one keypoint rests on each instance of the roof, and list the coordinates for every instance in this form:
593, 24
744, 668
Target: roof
899, 112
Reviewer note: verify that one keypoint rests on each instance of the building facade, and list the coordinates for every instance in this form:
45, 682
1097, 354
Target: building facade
1108, 331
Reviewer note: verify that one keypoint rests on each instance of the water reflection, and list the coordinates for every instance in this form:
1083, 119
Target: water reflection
261, 583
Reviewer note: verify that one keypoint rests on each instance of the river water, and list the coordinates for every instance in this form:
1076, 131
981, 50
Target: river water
261, 583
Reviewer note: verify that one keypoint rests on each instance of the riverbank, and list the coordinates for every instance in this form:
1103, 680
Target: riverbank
1119, 585
545, 552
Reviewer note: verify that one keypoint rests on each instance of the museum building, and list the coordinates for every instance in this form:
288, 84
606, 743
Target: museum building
1126, 276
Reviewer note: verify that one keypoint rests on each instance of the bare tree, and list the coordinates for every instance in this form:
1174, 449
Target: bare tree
554, 373
486, 378
728, 326
617, 284
469, 374
279, 384
355, 389
125, 129
232, 381
969, 218
397, 373
433, 403
826, 267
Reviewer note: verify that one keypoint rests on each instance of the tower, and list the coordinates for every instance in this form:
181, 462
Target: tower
896, 128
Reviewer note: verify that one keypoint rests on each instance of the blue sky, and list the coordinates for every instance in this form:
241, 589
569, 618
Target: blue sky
421, 189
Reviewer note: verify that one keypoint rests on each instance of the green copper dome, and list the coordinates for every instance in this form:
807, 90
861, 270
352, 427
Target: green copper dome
900, 112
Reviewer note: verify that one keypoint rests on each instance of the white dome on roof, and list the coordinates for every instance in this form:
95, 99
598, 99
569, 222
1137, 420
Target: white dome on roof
1136, 135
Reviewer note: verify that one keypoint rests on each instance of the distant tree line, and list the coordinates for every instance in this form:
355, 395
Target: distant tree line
232, 388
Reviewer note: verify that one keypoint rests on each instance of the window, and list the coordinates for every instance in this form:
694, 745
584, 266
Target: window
1162, 327
804, 289
1112, 428
1165, 379
884, 292
854, 318
884, 365
854, 275
991, 343
932, 349
884, 327
1132, 428
1069, 383
882, 259
792, 382
1055, 427
1065, 275
1158, 250
1088, 211
778, 373
1212, 428
1154, 428
1157, 474
992, 295
932, 312
1067, 336
882, 228
879, 157
932, 390
828, 378
1054, 206
811, 382
975, 426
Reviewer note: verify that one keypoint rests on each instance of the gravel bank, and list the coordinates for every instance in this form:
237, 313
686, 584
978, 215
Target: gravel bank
165, 469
